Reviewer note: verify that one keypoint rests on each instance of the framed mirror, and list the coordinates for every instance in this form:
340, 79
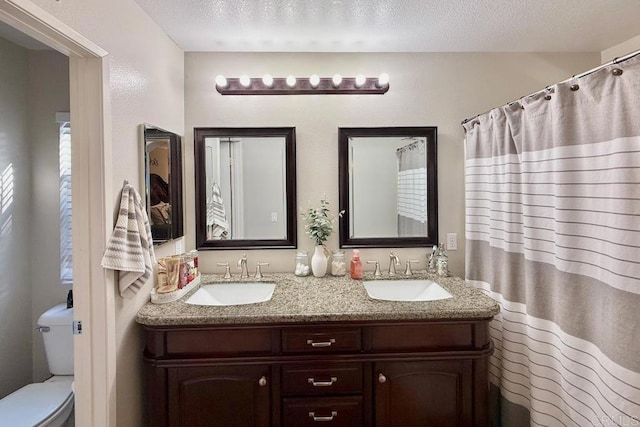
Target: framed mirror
163, 182
388, 186
245, 188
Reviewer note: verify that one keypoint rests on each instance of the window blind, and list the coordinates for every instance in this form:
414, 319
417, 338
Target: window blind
66, 260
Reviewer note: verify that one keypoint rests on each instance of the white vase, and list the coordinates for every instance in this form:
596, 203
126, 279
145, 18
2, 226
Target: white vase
319, 261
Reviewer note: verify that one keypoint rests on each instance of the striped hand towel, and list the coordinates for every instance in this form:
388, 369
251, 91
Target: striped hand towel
217, 225
130, 248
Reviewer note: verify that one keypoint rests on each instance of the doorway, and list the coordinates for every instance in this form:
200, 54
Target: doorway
94, 349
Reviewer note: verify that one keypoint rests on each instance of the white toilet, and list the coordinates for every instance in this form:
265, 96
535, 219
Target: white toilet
49, 403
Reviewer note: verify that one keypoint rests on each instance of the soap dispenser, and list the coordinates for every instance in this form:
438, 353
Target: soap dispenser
431, 263
442, 262
356, 265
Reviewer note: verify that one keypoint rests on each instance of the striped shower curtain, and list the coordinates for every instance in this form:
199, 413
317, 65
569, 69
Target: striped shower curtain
412, 189
553, 234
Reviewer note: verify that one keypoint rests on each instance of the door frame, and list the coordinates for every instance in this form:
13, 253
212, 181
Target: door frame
94, 288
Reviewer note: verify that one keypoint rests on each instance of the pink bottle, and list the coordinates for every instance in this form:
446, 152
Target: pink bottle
356, 265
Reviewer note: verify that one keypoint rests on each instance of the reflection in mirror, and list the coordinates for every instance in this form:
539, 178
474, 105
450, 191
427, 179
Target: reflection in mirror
236, 166
388, 186
245, 187
163, 183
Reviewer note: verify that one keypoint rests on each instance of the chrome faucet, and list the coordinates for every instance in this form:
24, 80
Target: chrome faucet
393, 261
258, 271
242, 265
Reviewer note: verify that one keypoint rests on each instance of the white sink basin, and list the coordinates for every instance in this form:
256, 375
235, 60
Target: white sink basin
232, 293
405, 290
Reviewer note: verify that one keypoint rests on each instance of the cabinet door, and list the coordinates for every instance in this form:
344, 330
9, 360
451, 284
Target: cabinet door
234, 396
419, 394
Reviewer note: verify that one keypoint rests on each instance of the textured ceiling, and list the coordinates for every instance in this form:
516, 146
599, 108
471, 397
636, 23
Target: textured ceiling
396, 25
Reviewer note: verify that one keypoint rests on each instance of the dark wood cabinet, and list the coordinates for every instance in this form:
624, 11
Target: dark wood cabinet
383, 374
418, 394
232, 396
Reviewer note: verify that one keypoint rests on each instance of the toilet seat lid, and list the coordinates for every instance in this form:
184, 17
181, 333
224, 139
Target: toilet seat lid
34, 403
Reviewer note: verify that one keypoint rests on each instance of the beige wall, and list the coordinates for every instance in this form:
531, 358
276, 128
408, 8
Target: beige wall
146, 72
15, 289
620, 49
48, 94
430, 89
159, 161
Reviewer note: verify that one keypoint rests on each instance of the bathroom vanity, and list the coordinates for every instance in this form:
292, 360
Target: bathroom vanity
320, 352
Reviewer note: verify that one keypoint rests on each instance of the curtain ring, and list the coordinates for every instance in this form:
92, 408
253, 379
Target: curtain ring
616, 72
574, 87
547, 97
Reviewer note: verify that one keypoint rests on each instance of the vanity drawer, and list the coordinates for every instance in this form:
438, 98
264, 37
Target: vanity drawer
325, 411
226, 341
420, 337
321, 340
321, 379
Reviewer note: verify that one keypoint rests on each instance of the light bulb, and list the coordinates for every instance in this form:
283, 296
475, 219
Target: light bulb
314, 80
291, 81
267, 80
245, 81
221, 81
336, 79
360, 79
383, 79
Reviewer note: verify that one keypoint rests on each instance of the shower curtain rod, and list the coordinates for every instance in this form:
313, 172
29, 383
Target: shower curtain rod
577, 76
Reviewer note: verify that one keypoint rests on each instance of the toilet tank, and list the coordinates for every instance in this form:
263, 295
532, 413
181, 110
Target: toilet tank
58, 339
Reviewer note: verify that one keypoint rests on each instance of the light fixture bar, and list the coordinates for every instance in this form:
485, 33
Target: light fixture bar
304, 87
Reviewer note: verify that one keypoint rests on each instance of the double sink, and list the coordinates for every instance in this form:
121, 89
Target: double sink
238, 293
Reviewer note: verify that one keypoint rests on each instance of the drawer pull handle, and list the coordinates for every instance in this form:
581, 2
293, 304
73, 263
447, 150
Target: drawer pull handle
312, 343
315, 383
262, 381
382, 379
330, 418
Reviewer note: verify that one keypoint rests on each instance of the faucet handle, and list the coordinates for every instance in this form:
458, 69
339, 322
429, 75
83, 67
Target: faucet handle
258, 271
227, 272
407, 271
377, 272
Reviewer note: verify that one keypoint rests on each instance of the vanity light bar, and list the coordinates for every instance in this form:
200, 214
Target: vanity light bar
291, 85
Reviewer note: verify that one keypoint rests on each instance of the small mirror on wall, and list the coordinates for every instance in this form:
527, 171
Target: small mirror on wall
388, 186
163, 182
245, 188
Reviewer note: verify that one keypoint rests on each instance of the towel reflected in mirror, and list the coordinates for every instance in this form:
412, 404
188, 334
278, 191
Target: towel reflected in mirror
217, 224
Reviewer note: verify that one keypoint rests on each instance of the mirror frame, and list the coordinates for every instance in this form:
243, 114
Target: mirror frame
431, 133
290, 240
175, 186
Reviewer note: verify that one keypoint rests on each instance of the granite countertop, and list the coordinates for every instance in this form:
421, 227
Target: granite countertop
327, 299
